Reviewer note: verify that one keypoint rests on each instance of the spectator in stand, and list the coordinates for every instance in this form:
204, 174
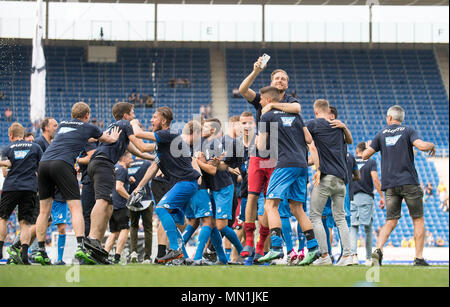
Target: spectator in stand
132, 97
411, 243
294, 94
235, 93
2, 96
149, 101
139, 100
429, 240
428, 191
172, 82
29, 137
94, 121
208, 111
442, 192
390, 244
440, 242
445, 206
8, 114
202, 112
404, 242
187, 82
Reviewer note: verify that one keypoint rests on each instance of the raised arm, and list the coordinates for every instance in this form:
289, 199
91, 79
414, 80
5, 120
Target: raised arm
138, 153
110, 137
244, 88
336, 123
138, 132
293, 108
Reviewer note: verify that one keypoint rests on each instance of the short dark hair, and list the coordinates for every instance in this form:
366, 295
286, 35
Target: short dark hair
334, 111
45, 123
361, 146
216, 124
272, 92
192, 126
120, 109
167, 113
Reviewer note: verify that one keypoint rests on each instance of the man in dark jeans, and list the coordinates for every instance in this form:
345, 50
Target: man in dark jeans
136, 172
399, 179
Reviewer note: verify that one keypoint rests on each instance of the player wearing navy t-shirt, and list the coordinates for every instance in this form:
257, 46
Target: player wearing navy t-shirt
288, 138
362, 203
175, 162
56, 169
136, 172
101, 171
330, 138
119, 222
399, 178
261, 168
19, 188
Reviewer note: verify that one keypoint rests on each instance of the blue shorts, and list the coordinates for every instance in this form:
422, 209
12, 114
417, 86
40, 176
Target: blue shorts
288, 183
223, 200
177, 199
261, 200
59, 213
200, 205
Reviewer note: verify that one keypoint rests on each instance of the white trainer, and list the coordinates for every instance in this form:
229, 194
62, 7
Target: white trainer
355, 260
134, 257
368, 262
345, 261
323, 261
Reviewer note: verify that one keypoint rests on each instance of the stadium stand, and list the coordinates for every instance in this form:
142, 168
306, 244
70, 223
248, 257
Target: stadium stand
361, 83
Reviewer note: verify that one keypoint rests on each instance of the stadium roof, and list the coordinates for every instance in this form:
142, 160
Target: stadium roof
272, 2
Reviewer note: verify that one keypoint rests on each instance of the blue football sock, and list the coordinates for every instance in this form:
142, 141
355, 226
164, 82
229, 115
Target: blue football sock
276, 242
301, 238
169, 226
187, 234
287, 235
61, 244
232, 236
228, 253
203, 238
216, 240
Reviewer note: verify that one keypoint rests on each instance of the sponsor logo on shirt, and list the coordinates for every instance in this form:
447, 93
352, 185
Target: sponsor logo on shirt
132, 170
392, 140
287, 121
20, 154
66, 129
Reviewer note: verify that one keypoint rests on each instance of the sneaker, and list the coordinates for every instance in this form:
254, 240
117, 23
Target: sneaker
377, 257
147, 261
134, 257
310, 257
14, 254
42, 258
292, 258
202, 262
368, 262
323, 261
210, 255
345, 261
256, 258
247, 251
60, 262
301, 255
355, 260
83, 254
271, 255
171, 255
420, 262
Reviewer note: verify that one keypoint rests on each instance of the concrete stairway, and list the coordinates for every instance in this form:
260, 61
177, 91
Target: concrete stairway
441, 53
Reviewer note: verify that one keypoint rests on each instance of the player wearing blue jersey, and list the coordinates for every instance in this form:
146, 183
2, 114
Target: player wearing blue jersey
288, 139
56, 169
399, 179
175, 162
19, 188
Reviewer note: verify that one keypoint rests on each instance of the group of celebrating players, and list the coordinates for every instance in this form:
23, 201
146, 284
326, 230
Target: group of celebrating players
259, 170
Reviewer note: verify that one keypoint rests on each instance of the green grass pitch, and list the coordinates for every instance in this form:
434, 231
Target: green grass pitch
222, 276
